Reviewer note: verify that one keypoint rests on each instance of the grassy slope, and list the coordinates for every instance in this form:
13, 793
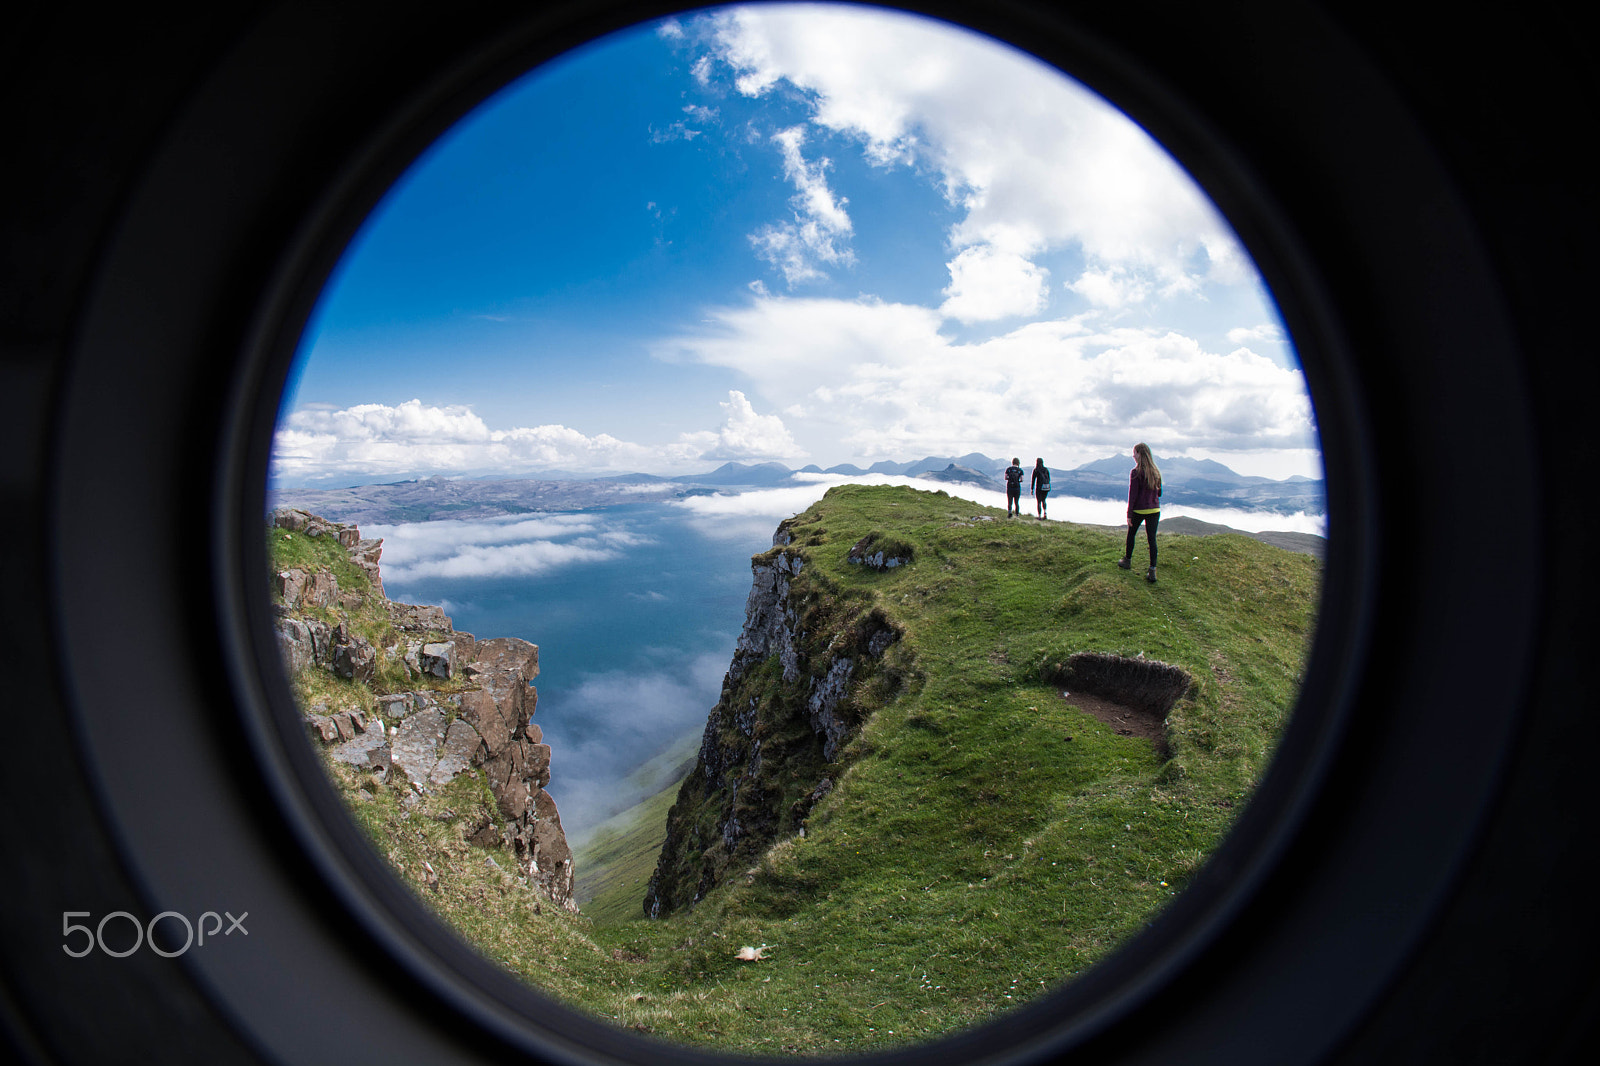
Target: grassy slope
617, 862
972, 855
369, 620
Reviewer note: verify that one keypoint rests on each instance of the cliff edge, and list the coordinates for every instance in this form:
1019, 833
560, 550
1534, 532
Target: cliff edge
809, 667
394, 690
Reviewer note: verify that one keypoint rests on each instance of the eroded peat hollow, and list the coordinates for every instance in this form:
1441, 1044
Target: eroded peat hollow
919, 800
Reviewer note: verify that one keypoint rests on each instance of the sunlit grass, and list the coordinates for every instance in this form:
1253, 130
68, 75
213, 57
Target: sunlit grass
985, 840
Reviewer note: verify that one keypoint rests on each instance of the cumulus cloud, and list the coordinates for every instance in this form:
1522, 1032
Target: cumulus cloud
884, 381
1033, 159
1112, 287
820, 229
987, 283
414, 438
747, 435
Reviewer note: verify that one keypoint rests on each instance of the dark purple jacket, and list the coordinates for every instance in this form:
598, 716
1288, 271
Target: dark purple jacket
1141, 497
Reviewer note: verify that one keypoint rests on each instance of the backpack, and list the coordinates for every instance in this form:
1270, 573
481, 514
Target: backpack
1014, 475
1043, 484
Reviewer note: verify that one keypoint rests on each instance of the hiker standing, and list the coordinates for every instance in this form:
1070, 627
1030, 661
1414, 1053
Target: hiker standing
1040, 483
1144, 505
1014, 489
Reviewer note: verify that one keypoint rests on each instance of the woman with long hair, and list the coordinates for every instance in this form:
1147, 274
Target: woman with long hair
1144, 505
1041, 487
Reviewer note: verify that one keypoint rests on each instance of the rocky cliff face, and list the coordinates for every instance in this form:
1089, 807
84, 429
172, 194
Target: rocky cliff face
446, 703
808, 667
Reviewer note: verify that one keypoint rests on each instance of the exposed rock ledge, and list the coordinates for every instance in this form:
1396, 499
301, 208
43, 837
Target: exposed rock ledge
774, 742
429, 736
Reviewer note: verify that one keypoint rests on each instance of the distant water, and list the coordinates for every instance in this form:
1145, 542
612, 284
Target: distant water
635, 609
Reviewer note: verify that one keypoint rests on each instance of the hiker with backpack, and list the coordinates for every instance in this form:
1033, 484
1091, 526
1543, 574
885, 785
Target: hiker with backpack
1144, 505
1014, 489
1040, 483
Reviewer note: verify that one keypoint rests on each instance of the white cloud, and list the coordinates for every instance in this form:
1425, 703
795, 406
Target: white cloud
1266, 332
677, 131
1111, 287
501, 547
414, 438
1114, 513
755, 513
881, 380
748, 435
414, 541
987, 283
820, 229
505, 560
627, 717
681, 130
788, 345
1032, 158
761, 509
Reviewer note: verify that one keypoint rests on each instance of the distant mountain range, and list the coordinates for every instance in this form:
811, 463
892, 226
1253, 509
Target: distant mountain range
1198, 482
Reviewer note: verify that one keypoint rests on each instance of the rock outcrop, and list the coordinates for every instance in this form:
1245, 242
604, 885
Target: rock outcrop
809, 666
446, 703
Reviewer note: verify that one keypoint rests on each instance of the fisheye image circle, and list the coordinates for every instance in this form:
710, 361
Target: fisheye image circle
796, 529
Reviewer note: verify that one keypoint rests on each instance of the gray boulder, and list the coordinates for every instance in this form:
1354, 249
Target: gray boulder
508, 653
438, 659
354, 659
462, 748
414, 750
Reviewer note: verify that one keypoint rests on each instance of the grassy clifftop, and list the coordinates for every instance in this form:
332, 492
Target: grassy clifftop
985, 836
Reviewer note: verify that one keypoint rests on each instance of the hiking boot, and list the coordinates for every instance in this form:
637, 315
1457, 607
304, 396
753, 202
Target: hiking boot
1150, 575
1124, 563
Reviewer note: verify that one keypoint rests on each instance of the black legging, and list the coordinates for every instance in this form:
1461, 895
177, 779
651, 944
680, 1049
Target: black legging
1149, 521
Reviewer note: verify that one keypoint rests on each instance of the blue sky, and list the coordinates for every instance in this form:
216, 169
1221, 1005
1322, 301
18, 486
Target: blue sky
815, 234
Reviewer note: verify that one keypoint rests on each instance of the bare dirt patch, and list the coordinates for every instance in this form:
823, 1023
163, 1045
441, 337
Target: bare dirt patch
1127, 721
1132, 696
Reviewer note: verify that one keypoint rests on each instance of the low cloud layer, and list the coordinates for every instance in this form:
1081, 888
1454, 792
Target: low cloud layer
415, 439
627, 718
510, 547
762, 509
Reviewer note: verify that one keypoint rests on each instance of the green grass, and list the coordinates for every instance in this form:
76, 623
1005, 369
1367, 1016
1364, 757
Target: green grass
290, 550
971, 855
614, 866
616, 862
368, 620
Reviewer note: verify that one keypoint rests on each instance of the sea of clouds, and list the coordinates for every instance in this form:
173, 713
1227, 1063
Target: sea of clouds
628, 691
737, 514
